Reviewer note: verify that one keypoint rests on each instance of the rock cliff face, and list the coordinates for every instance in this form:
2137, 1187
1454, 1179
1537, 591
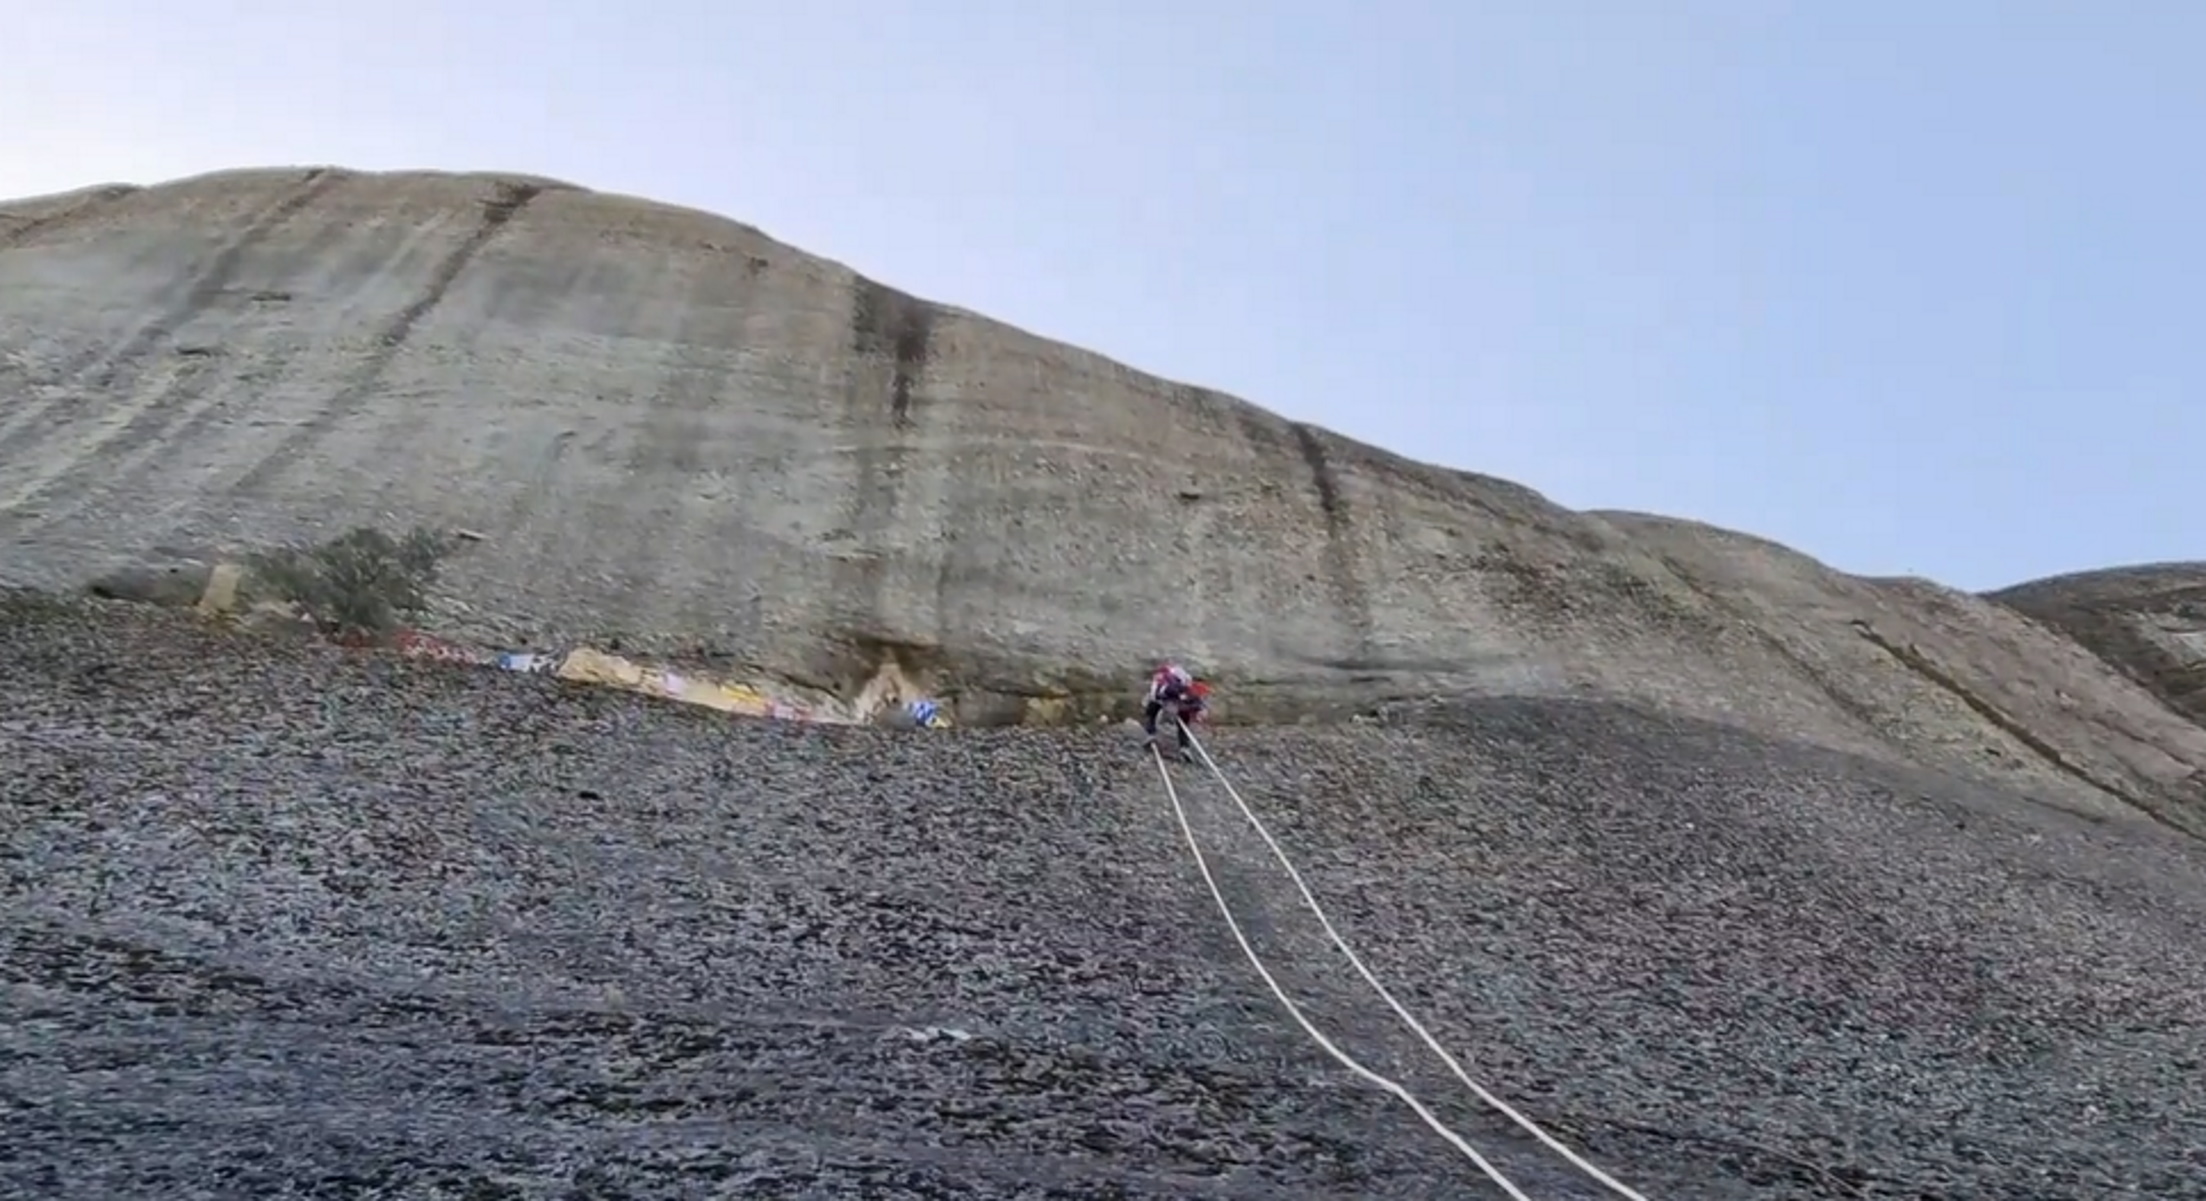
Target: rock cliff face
670, 431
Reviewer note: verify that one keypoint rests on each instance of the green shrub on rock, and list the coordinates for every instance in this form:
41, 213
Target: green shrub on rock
359, 584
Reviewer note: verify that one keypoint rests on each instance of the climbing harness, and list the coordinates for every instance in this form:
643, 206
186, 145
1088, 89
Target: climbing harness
1310, 899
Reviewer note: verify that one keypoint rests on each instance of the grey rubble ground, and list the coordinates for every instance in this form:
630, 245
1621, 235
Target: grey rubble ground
281, 920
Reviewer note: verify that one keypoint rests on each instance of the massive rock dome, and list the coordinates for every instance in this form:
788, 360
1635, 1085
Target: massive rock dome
666, 430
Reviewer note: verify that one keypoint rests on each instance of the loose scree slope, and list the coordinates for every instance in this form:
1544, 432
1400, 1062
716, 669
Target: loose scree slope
281, 920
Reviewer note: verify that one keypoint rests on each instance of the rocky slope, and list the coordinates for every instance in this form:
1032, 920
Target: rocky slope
280, 920
2148, 622
1750, 878
673, 432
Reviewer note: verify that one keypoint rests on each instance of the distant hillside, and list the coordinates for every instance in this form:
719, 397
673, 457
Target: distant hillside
2148, 621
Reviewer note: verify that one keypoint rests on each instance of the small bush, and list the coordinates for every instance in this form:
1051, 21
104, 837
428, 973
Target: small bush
361, 583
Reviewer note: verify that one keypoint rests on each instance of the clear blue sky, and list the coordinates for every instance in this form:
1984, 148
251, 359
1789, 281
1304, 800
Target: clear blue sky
1905, 285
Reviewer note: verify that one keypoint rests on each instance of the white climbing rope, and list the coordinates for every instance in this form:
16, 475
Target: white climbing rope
1295, 1011
1310, 899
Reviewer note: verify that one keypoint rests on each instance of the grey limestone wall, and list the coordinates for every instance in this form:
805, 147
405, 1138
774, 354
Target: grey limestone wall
670, 431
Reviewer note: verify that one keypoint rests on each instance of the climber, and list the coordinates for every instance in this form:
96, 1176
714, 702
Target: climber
1172, 685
